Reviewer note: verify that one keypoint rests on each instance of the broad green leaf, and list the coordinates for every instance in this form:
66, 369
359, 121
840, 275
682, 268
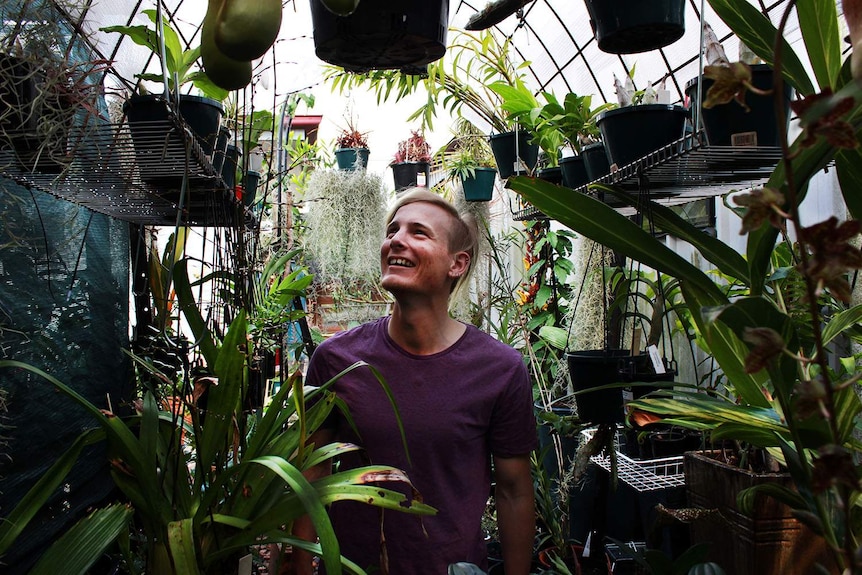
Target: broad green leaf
556, 336
191, 311
601, 223
17, 519
725, 258
80, 546
841, 321
181, 542
818, 22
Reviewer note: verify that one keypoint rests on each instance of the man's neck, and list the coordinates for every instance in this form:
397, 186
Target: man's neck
424, 329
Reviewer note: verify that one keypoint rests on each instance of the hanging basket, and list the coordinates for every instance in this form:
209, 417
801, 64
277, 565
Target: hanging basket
633, 26
407, 175
480, 186
503, 146
352, 158
381, 34
591, 369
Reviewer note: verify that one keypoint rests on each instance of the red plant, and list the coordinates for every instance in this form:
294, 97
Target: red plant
413, 149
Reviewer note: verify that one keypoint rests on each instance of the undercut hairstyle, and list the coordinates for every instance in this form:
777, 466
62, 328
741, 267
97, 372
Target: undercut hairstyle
463, 233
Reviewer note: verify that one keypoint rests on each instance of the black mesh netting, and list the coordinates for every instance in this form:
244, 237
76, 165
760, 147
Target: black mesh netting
64, 308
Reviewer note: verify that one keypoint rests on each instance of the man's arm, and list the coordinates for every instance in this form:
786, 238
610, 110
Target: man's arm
516, 515
303, 526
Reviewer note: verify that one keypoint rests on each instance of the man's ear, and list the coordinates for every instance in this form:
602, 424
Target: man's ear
460, 264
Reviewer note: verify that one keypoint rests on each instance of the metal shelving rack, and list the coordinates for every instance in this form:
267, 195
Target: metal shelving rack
641, 475
109, 176
683, 171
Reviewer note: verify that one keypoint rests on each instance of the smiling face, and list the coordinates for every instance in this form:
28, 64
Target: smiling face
416, 255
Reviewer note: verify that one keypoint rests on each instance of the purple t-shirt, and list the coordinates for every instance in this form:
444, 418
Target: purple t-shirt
458, 407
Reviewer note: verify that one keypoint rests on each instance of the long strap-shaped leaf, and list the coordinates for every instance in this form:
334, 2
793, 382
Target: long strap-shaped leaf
601, 223
181, 542
16, 521
85, 542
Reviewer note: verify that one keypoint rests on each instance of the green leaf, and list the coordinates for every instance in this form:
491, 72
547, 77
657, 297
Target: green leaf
848, 164
557, 337
181, 542
818, 22
840, 321
84, 543
597, 221
725, 258
16, 521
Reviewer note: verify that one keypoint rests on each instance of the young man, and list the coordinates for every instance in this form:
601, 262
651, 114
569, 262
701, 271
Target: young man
465, 400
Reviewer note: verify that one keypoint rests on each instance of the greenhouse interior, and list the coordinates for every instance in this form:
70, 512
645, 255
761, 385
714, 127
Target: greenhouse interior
588, 304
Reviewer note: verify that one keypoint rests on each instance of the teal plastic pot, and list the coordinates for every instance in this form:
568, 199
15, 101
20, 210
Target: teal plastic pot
480, 186
730, 125
503, 146
574, 172
632, 132
634, 26
352, 158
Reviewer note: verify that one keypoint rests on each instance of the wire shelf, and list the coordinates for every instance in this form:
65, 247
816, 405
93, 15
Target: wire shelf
681, 172
641, 475
138, 179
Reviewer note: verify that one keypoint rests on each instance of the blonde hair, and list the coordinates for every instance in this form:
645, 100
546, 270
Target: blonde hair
463, 235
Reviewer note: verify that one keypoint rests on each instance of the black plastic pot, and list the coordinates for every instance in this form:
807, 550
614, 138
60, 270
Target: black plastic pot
574, 171
632, 132
406, 175
596, 368
730, 125
249, 187
228, 170
596, 161
381, 34
352, 158
202, 115
633, 26
503, 146
480, 186
553, 175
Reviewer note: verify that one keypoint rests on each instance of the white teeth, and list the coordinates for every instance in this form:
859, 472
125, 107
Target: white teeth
400, 262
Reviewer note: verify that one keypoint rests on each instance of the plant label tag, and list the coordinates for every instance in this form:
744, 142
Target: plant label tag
244, 566
743, 140
657, 363
420, 180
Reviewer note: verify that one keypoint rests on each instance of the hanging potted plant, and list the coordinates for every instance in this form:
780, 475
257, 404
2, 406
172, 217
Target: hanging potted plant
412, 158
377, 34
632, 26
49, 88
351, 148
469, 160
344, 231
